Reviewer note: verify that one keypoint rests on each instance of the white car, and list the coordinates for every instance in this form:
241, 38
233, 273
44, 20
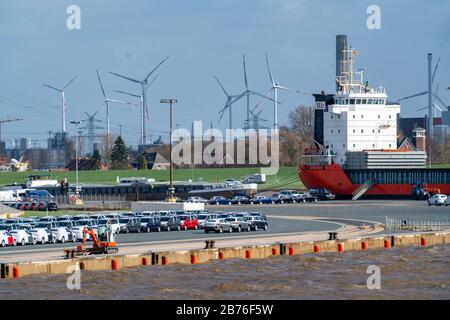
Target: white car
42, 235
6, 239
21, 236
447, 202
437, 200
63, 234
114, 223
197, 200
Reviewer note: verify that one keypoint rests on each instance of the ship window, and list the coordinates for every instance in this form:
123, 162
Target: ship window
362, 116
331, 116
358, 101
375, 101
354, 116
362, 130
354, 131
346, 101
373, 146
343, 145
339, 116
379, 117
390, 145
370, 101
390, 117
354, 145
339, 130
378, 130
352, 101
364, 101
331, 130
373, 131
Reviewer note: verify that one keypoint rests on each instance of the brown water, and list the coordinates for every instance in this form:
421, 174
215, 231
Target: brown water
407, 273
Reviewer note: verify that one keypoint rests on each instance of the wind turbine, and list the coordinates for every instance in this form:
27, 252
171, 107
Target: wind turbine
431, 104
107, 102
274, 88
141, 98
144, 84
63, 100
228, 104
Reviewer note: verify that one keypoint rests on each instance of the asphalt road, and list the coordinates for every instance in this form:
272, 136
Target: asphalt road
336, 213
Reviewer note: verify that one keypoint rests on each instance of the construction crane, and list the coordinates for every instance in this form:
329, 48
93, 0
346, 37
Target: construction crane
6, 121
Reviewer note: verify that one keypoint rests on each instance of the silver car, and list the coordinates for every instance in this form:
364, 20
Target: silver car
218, 225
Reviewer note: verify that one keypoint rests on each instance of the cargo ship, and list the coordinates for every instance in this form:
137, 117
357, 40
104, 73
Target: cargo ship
357, 153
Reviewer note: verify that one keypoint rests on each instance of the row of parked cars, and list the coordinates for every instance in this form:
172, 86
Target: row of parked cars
33, 205
284, 196
53, 229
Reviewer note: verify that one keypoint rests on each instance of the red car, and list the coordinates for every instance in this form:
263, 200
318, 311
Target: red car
188, 222
6, 239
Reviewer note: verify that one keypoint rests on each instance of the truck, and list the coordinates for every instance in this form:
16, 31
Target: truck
9, 196
255, 178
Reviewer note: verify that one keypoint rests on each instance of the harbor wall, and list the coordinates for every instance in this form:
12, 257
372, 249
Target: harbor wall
116, 262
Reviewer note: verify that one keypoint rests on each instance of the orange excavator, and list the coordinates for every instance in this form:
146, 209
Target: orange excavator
98, 247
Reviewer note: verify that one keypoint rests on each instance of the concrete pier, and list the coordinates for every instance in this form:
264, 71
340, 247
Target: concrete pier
117, 262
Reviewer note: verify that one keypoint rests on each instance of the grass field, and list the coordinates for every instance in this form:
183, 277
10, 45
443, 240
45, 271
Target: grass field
286, 177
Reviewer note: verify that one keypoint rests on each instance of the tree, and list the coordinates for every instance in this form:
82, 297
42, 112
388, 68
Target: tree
96, 155
119, 154
142, 163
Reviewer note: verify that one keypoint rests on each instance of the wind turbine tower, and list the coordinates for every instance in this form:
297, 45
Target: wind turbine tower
63, 101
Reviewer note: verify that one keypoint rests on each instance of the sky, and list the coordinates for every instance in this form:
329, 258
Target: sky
205, 38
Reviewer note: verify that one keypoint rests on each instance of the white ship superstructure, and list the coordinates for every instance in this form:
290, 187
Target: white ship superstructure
361, 118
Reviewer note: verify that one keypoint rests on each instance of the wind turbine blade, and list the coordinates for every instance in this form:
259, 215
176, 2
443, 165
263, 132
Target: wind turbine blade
127, 93
46, 85
151, 82
413, 96
222, 112
126, 78
435, 69
101, 85
260, 101
245, 72
70, 82
235, 99
261, 95
224, 91
268, 68
151, 72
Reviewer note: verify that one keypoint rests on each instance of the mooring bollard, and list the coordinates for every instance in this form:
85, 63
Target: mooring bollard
291, 251
164, 260
193, 259
144, 261
16, 272
316, 249
221, 256
340, 247
274, 251
387, 244
248, 254
113, 264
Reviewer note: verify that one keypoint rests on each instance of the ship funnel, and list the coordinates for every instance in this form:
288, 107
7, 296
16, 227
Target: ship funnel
341, 45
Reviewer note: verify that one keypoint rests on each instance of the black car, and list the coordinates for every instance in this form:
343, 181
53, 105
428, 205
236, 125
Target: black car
153, 224
257, 223
282, 198
241, 200
322, 194
52, 206
259, 214
133, 225
169, 223
307, 197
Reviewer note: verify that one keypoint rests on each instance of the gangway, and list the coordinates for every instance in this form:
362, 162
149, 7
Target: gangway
362, 189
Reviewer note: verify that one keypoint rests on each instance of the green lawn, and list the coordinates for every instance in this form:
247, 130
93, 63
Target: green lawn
286, 177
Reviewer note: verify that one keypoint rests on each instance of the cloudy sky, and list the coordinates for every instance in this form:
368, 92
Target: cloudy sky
205, 38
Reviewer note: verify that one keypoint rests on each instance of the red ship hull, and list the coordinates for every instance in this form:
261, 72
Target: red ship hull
335, 179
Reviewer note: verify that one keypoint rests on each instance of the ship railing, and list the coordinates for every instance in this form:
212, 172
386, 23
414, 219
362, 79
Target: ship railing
401, 224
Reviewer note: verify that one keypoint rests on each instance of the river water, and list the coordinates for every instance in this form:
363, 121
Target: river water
406, 273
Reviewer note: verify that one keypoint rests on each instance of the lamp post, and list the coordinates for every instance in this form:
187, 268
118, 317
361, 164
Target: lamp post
77, 190
171, 189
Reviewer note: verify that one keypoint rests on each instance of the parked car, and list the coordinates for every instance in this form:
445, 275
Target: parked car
447, 202
197, 200
257, 223
307, 197
231, 182
170, 223
322, 194
133, 225
52, 206
46, 225
259, 214
63, 234
240, 200
203, 217
282, 198
6, 239
43, 235
115, 225
154, 224
238, 223
48, 219
31, 238
262, 200
218, 225
21, 236
67, 223
219, 200
437, 200
78, 233
188, 222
